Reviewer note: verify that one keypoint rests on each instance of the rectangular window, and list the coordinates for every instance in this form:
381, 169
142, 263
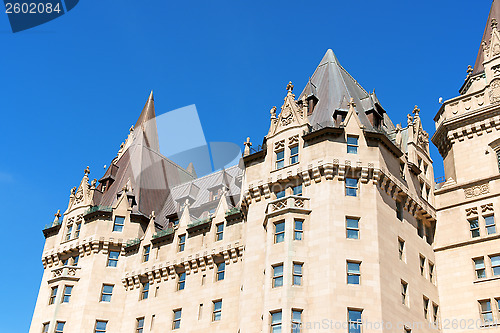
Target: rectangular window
145, 290
279, 232
298, 229
353, 272
486, 313
45, 327
181, 283
480, 268
77, 231
401, 249
177, 319
278, 275
495, 265
221, 269
217, 313
474, 228
68, 232
100, 326
404, 292
296, 321
352, 144
60, 327
355, 322
280, 159
422, 265
276, 320
182, 243
53, 295
297, 274
106, 292
431, 272
435, 314
219, 233
399, 210
280, 194
294, 154
67, 294
139, 325
420, 228
426, 308
113, 258
351, 187
490, 225
118, 224
145, 253
297, 190
352, 228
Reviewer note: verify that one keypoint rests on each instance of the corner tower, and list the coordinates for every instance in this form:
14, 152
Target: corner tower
467, 201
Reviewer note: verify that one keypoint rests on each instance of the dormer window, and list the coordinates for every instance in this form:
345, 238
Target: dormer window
215, 194
352, 144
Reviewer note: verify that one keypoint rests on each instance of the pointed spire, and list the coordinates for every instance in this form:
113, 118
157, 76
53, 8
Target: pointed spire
190, 169
491, 24
147, 124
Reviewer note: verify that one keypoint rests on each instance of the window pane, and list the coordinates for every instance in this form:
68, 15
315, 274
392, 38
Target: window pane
353, 279
280, 227
113, 254
280, 155
278, 270
298, 225
177, 314
353, 267
297, 268
276, 318
352, 234
101, 325
108, 289
351, 182
294, 150
352, 140
352, 149
297, 190
351, 192
280, 194
352, 223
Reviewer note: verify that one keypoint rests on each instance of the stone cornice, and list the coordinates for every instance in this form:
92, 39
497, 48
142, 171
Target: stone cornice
87, 247
465, 126
321, 170
195, 263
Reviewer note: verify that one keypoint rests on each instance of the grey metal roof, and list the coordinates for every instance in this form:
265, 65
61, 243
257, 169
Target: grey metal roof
334, 87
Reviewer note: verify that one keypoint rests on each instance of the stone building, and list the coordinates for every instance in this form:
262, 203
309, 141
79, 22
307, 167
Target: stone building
334, 222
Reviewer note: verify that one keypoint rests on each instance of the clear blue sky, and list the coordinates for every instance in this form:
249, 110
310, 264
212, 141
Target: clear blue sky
70, 89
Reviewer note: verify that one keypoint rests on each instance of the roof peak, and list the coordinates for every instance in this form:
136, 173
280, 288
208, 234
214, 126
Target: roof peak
147, 124
494, 16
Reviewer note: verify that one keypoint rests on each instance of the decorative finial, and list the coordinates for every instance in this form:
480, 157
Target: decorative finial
87, 171
247, 144
416, 111
289, 86
469, 70
73, 190
494, 23
410, 119
273, 112
152, 215
131, 128
351, 103
93, 183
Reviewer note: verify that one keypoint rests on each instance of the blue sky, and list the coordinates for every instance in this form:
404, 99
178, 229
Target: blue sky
71, 89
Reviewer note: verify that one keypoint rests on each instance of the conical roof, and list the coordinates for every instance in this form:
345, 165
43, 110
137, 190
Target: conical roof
146, 173
494, 14
334, 87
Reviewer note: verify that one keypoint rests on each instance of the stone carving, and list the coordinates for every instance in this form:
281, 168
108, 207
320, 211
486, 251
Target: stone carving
471, 211
477, 190
495, 91
279, 145
486, 208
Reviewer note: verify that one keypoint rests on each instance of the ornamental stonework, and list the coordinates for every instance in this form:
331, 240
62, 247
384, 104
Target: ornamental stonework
477, 190
495, 91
